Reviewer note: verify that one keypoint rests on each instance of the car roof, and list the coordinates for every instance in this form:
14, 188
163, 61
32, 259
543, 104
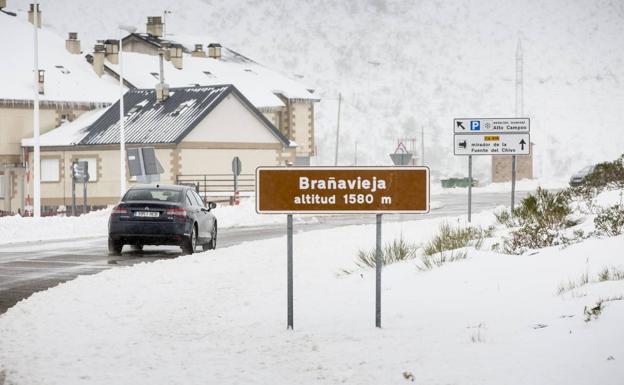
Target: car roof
160, 186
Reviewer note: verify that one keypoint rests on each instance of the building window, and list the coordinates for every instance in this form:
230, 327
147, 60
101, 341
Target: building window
1, 186
50, 170
93, 171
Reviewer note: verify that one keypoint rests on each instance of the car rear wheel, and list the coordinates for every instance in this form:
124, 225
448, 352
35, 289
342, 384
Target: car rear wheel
189, 244
213, 240
137, 247
114, 247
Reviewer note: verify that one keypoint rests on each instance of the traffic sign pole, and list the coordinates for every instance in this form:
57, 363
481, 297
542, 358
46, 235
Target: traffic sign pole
289, 278
513, 182
73, 193
378, 265
469, 188
84, 197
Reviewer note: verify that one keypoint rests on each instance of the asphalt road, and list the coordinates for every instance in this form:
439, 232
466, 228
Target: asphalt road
27, 268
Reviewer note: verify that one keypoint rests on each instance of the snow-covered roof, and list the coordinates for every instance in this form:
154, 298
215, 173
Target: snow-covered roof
68, 77
258, 83
68, 134
147, 120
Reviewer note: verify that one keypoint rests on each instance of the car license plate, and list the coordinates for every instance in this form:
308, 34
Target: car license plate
147, 214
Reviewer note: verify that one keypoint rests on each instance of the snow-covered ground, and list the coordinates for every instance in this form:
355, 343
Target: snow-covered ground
219, 317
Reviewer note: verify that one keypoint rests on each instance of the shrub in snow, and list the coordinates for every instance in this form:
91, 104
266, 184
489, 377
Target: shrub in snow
605, 175
503, 217
396, 251
449, 244
453, 238
540, 217
610, 221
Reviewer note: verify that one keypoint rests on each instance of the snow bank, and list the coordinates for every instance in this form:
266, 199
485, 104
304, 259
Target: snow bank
27, 229
24, 229
219, 317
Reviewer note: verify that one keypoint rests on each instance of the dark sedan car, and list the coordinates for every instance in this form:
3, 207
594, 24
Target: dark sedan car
162, 215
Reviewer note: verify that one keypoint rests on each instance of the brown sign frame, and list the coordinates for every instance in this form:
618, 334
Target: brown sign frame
362, 168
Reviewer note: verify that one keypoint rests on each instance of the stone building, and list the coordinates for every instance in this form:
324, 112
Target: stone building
501, 167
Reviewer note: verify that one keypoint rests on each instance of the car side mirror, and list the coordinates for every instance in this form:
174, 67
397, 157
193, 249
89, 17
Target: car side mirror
212, 205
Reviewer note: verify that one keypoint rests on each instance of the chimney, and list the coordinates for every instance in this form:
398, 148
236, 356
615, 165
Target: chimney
112, 51
99, 53
72, 44
199, 51
162, 88
155, 26
31, 15
214, 50
175, 55
41, 81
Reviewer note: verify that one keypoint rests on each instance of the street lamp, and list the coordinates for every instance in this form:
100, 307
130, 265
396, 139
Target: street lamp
122, 134
37, 159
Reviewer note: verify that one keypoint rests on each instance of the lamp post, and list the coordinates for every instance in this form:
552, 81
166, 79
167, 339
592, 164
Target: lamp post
122, 133
37, 159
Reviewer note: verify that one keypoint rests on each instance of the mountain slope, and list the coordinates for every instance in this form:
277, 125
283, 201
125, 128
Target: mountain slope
401, 66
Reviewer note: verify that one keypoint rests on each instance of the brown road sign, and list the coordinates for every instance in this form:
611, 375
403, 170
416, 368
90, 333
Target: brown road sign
370, 190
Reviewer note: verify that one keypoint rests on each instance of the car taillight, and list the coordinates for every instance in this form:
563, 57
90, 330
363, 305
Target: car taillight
119, 210
176, 212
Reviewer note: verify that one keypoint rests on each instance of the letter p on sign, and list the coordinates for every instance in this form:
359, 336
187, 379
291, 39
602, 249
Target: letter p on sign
475, 125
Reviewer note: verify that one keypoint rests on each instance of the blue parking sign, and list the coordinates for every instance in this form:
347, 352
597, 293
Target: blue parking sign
475, 125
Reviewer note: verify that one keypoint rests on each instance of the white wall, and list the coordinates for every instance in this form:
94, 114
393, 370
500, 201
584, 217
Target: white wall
231, 122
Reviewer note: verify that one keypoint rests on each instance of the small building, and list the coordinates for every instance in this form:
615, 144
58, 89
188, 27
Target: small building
195, 131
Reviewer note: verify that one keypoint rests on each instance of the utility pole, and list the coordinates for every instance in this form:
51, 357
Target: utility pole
37, 159
122, 129
338, 130
519, 113
422, 146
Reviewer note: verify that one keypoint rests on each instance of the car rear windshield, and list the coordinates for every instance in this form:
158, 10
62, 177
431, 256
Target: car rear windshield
158, 195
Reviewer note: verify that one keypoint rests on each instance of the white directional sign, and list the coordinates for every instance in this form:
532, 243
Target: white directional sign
492, 144
486, 126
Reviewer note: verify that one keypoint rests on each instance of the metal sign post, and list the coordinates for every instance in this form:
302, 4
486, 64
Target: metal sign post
289, 278
513, 183
354, 190
378, 266
73, 195
469, 188
84, 197
236, 170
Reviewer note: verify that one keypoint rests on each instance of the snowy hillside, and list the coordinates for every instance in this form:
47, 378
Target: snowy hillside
402, 65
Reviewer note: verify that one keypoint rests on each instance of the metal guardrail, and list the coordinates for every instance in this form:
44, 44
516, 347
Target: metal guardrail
218, 183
